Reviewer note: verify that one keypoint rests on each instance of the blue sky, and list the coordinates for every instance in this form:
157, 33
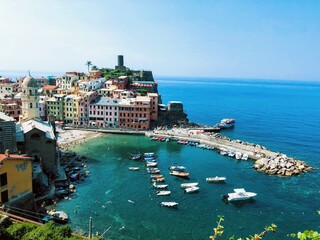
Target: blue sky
239, 39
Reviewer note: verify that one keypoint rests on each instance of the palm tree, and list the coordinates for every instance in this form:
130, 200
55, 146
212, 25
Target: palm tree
94, 68
88, 63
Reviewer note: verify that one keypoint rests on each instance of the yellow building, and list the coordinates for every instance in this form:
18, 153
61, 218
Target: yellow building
15, 177
71, 109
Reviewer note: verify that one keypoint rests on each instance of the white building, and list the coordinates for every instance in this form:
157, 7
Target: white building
29, 99
92, 85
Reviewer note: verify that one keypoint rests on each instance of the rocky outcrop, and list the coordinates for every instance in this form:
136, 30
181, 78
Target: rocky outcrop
281, 165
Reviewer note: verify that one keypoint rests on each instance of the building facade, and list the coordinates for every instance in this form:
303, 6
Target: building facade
7, 134
15, 177
104, 112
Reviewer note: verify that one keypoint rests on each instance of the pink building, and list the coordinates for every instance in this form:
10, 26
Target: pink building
84, 106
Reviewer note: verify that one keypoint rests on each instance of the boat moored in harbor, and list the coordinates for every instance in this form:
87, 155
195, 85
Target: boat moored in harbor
177, 168
188, 185
191, 189
133, 168
168, 204
160, 186
163, 193
135, 156
215, 179
179, 174
226, 123
239, 194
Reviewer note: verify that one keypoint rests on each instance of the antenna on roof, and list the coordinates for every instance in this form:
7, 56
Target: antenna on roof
29, 73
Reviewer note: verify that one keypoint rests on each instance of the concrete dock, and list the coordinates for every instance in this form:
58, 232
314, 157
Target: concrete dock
267, 161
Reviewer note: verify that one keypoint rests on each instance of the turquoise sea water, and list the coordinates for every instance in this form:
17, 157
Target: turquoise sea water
281, 115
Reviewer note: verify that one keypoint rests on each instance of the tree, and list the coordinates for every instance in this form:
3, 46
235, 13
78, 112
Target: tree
94, 67
88, 63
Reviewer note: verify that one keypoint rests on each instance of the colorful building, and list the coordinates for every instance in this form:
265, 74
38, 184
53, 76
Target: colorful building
103, 112
7, 133
135, 113
71, 109
15, 177
55, 105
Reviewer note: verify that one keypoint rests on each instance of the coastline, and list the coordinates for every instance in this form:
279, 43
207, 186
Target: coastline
68, 138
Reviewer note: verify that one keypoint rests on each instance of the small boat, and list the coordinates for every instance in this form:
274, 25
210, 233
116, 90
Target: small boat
74, 176
160, 186
215, 179
223, 151
156, 176
150, 159
149, 155
238, 155
168, 204
232, 153
191, 189
226, 123
179, 174
163, 193
59, 216
151, 164
245, 157
177, 168
239, 194
188, 185
158, 179
153, 170
134, 168
135, 156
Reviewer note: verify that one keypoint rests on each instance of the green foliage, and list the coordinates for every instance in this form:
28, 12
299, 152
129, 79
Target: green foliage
115, 73
307, 234
218, 231
18, 230
142, 91
29, 231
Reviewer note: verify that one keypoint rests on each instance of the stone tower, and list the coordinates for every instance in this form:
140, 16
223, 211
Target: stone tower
29, 99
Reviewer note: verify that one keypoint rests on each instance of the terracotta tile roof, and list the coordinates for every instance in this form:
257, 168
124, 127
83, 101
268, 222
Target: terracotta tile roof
49, 87
13, 157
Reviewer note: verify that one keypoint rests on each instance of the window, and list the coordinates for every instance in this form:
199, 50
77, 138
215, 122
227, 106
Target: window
3, 180
35, 136
4, 196
30, 105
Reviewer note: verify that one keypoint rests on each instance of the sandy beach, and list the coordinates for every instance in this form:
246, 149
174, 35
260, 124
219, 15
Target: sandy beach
69, 138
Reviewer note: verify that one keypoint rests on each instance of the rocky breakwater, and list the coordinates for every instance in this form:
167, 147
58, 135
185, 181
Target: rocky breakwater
281, 165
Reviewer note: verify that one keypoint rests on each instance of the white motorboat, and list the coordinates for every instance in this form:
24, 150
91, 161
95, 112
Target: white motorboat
191, 189
134, 168
168, 204
238, 155
245, 157
227, 123
160, 186
151, 164
180, 174
177, 168
216, 179
59, 216
163, 193
231, 153
152, 176
188, 185
223, 151
153, 171
239, 194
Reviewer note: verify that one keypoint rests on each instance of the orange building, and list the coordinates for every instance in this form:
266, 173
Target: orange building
135, 113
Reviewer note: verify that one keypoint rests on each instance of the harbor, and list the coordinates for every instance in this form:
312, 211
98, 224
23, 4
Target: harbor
273, 163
